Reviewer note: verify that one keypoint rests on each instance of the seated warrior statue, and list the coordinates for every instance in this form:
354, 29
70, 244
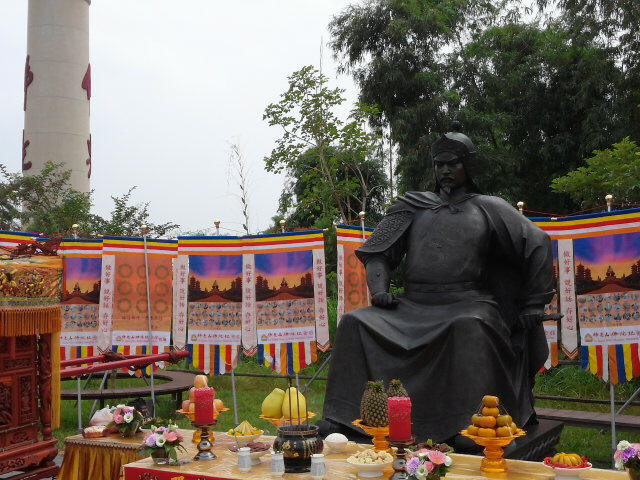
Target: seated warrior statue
477, 276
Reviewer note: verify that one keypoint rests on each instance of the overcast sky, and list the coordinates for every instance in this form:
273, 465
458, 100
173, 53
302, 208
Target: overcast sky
172, 83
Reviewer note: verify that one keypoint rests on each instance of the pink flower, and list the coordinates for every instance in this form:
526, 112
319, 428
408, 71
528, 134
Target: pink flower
428, 466
180, 437
118, 419
436, 457
117, 411
171, 436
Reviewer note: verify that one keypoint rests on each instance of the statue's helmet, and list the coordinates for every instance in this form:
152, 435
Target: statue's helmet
460, 145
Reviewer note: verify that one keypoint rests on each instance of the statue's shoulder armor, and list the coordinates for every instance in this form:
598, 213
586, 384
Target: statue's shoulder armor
388, 231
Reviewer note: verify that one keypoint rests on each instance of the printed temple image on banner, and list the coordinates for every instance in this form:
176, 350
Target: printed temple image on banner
80, 301
607, 270
215, 299
284, 297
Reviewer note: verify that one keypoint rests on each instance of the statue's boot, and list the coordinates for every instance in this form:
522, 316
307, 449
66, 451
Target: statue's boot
462, 444
327, 427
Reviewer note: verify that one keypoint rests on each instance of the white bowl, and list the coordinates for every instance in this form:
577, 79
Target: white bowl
255, 456
370, 470
242, 440
563, 473
337, 447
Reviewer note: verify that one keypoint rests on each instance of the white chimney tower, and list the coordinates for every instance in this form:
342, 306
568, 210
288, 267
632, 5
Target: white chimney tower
57, 89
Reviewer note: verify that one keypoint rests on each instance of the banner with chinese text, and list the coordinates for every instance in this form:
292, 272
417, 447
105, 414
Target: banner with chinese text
123, 314
552, 308
606, 253
352, 282
82, 267
287, 301
212, 289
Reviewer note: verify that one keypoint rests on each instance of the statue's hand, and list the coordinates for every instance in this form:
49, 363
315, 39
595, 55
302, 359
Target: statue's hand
384, 300
531, 317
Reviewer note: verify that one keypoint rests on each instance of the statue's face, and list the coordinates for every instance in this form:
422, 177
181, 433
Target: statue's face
449, 171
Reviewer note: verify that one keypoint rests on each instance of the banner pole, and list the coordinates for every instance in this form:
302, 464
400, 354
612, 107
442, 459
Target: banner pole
74, 228
216, 222
145, 230
612, 395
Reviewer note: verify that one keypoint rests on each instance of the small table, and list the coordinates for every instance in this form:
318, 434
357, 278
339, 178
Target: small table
465, 467
98, 458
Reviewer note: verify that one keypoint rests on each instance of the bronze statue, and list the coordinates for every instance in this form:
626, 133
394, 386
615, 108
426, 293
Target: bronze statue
477, 276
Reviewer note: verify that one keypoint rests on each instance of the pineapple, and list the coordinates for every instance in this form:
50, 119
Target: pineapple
374, 410
396, 389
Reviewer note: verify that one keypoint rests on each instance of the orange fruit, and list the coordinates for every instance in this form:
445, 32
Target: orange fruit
490, 401
472, 430
504, 420
503, 432
487, 422
490, 412
476, 420
486, 432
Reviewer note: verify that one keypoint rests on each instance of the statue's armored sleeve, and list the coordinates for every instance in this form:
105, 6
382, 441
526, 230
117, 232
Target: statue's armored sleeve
388, 239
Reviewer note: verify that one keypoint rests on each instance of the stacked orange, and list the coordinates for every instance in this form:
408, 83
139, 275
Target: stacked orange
492, 420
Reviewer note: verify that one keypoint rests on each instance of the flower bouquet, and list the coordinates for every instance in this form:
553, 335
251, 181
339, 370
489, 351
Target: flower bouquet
627, 456
429, 462
127, 420
162, 444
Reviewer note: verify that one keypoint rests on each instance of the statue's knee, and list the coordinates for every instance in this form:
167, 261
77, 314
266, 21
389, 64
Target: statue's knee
348, 321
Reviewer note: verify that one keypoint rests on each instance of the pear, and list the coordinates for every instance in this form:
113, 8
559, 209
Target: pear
272, 404
290, 409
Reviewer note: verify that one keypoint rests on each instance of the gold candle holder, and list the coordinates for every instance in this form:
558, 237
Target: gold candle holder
493, 464
379, 435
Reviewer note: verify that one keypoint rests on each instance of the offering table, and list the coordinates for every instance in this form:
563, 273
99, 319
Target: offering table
465, 467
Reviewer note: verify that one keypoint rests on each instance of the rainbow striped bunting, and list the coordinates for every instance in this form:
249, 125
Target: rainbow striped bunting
69, 353
287, 358
214, 359
135, 245
590, 225
13, 239
352, 234
616, 363
80, 247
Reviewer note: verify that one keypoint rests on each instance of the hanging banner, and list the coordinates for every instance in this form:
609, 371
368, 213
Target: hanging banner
123, 294
10, 240
552, 308
567, 293
213, 287
607, 283
352, 281
30, 282
608, 287
180, 288
82, 268
286, 276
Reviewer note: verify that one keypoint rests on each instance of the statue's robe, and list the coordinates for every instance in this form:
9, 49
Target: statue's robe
471, 267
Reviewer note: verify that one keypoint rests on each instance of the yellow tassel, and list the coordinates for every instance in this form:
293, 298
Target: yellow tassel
29, 321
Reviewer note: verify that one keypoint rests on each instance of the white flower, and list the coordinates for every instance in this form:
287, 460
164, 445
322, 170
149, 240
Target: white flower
422, 455
160, 441
619, 464
122, 405
421, 473
128, 417
623, 444
447, 461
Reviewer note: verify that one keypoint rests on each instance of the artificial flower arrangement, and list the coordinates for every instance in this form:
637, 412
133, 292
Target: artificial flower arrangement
163, 443
429, 461
127, 420
627, 456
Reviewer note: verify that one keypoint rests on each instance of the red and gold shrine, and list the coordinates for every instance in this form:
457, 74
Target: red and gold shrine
29, 365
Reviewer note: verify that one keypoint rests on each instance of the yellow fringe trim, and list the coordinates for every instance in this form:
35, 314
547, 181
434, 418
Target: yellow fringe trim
29, 320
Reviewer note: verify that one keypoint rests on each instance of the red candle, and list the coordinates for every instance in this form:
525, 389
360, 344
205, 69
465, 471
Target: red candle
399, 418
203, 398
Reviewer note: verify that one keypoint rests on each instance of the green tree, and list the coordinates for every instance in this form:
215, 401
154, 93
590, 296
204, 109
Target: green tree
615, 171
333, 172
536, 99
44, 203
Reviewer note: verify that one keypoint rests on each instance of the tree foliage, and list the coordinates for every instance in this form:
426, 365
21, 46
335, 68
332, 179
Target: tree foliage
535, 97
615, 171
332, 167
44, 203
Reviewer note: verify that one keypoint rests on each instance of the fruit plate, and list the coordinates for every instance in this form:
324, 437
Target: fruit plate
567, 473
279, 422
370, 470
255, 456
242, 440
